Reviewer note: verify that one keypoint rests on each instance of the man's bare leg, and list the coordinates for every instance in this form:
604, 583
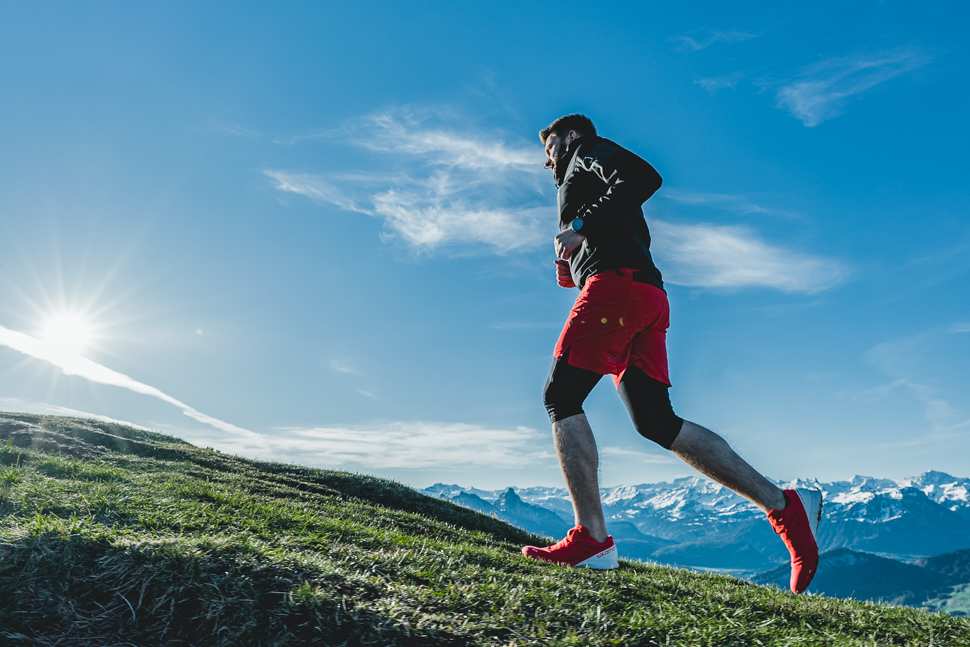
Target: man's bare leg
711, 455
576, 449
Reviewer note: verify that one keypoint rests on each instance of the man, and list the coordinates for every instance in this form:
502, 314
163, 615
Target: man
618, 325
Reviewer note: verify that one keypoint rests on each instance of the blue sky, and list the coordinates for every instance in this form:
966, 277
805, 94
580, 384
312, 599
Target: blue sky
323, 233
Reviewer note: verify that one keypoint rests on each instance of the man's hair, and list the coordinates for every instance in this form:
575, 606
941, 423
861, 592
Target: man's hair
580, 123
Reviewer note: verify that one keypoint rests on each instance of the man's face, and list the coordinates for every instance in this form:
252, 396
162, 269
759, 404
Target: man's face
553, 145
556, 146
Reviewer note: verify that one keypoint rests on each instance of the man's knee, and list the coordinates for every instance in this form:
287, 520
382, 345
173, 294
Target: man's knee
560, 401
566, 389
648, 402
662, 427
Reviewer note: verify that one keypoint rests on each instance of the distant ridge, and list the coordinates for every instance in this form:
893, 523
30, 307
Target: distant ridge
862, 576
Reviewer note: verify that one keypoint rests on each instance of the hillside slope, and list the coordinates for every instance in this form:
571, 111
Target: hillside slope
111, 536
864, 576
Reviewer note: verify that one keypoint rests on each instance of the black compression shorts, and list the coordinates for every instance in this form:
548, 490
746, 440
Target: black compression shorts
646, 399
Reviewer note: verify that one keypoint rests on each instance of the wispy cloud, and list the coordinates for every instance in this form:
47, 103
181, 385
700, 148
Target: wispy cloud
377, 446
916, 366
454, 187
716, 256
732, 202
635, 454
233, 129
408, 444
344, 367
959, 328
821, 91
938, 411
94, 372
697, 40
697, 255
925, 440
448, 186
713, 84
47, 409
316, 188
438, 215
407, 132
353, 372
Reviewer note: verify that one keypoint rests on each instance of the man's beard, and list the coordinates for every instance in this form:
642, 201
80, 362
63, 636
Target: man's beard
562, 161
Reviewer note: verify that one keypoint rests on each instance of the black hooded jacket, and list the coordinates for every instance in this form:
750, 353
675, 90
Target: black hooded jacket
606, 185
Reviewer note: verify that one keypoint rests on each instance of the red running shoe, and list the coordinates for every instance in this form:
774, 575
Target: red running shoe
578, 548
796, 525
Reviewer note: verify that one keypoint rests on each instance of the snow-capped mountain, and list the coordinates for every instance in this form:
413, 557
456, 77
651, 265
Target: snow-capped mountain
943, 489
694, 521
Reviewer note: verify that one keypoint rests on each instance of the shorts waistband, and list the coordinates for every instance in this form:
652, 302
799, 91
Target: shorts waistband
640, 276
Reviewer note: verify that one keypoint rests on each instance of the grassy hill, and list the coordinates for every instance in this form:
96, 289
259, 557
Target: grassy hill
114, 536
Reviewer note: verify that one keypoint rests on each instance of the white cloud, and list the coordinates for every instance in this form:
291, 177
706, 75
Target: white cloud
463, 188
94, 372
405, 444
382, 445
316, 188
234, 129
432, 213
344, 367
729, 201
46, 409
821, 91
715, 256
405, 132
916, 366
451, 187
937, 411
714, 83
635, 454
958, 328
697, 255
431, 218
702, 39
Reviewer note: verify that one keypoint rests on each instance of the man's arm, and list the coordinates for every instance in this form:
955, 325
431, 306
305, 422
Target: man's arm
626, 179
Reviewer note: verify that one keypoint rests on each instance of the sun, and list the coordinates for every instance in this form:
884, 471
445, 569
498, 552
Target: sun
67, 333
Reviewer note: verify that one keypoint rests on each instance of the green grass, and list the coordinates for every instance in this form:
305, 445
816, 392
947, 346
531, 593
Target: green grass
113, 536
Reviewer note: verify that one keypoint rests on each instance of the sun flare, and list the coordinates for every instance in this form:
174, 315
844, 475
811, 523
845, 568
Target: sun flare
67, 333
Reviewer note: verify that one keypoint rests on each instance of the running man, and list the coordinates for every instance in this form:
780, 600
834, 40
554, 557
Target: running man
618, 325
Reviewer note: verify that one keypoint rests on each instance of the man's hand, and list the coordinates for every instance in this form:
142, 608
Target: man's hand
563, 276
567, 242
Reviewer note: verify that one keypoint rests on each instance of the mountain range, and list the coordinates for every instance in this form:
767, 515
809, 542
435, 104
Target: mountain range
692, 521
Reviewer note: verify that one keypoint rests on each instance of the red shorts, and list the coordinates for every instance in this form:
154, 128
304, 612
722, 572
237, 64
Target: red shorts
615, 322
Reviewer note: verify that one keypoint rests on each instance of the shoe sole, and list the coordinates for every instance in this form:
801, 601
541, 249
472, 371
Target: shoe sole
603, 561
812, 498
812, 523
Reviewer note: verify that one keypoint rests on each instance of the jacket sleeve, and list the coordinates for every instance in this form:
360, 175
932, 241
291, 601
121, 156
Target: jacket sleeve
626, 179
